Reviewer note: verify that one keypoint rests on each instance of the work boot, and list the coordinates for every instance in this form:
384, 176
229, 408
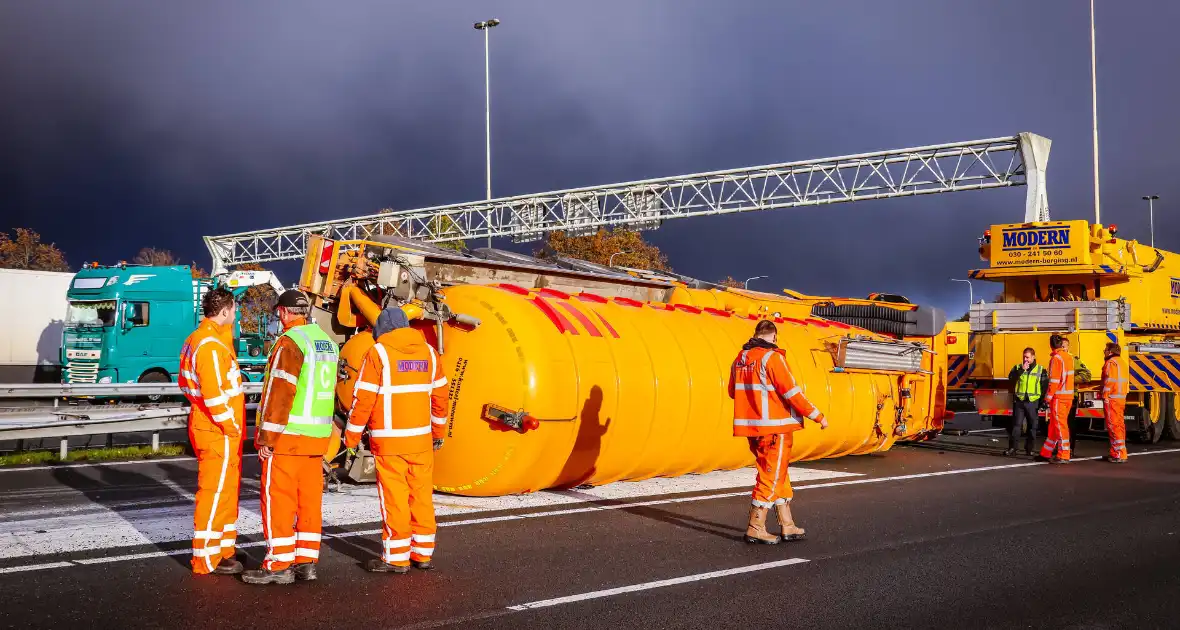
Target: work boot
423, 565
1114, 460
1058, 460
1009, 452
304, 571
756, 531
787, 522
228, 566
264, 576
376, 565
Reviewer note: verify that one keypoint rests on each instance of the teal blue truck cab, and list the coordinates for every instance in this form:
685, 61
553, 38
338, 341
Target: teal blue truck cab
127, 323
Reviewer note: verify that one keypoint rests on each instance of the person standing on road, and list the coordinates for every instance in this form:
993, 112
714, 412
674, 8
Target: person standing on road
1059, 398
401, 396
1114, 401
1029, 382
211, 381
768, 407
294, 429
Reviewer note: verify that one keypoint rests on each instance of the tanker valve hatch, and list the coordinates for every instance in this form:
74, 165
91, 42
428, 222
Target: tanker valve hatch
519, 421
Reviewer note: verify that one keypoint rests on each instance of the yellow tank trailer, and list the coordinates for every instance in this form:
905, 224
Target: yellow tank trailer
566, 374
1080, 280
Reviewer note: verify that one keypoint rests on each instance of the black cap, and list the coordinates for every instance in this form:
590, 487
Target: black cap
293, 299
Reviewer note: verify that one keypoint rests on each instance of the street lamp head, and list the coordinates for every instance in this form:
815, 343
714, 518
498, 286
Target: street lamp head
493, 22
479, 26
1151, 198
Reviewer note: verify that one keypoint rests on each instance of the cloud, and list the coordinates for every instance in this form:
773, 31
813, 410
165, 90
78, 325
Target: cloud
133, 123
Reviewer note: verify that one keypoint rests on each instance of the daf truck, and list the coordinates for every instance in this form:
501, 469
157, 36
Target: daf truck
126, 323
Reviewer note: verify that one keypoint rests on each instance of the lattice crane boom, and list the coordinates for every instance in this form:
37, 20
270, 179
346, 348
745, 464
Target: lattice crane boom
993, 163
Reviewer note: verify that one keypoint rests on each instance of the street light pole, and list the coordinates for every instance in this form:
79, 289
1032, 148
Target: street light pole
1150, 199
1094, 101
486, 27
970, 294
746, 285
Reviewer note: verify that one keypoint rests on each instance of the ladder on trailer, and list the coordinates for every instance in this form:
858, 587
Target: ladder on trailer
993, 163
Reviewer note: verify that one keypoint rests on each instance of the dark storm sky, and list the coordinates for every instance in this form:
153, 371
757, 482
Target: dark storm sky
127, 124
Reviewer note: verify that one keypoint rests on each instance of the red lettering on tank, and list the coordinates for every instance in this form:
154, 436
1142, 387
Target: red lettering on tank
554, 293
512, 288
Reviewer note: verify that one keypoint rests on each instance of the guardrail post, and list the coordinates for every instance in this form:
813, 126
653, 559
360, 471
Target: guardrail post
64, 450
156, 442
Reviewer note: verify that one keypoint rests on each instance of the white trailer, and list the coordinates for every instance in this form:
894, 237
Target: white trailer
31, 320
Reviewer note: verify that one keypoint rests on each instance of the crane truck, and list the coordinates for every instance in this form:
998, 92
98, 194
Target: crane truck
1082, 281
126, 323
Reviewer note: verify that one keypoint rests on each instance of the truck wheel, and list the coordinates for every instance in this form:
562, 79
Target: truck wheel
1152, 418
1171, 417
155, 377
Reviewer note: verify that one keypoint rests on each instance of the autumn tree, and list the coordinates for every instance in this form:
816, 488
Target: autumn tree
730, 282
24, 250
632, 251
437, 225
198, 271
153, 257
256, 302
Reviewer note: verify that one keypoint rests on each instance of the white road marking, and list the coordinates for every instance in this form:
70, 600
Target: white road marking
88, 526
36, 567
157, 460
646, 586
91, 530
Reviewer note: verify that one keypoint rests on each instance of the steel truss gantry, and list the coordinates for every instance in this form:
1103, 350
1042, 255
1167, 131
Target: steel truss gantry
981, 164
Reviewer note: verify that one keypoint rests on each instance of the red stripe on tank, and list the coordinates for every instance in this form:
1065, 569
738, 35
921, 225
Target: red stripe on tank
608, 326
578, 315
559, 320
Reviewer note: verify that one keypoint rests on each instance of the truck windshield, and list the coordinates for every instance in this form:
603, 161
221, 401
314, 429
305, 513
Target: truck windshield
91, 313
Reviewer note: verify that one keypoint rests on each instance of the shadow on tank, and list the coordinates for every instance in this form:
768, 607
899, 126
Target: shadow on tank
583, 460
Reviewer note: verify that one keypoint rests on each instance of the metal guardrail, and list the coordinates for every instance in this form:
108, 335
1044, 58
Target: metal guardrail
68, 421
100, 390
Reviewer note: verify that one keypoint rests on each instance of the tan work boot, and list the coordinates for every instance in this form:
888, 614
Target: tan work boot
756, 532
790, 532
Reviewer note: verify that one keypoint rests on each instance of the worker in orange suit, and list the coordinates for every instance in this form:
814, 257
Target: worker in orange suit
401, 396
1059, 398
210, 379
1114, 402
294, 430
768, 407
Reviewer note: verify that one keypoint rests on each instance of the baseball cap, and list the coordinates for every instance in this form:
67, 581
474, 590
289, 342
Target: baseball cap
293, 299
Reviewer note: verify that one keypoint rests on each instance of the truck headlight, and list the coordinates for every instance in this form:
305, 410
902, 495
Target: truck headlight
104, 380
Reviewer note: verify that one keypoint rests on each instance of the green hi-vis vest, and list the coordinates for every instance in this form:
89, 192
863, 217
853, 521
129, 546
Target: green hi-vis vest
315, 390
1029, 384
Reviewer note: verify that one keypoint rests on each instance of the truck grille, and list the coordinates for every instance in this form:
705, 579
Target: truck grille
81, 372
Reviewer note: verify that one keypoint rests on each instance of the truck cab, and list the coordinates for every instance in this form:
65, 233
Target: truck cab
127, 323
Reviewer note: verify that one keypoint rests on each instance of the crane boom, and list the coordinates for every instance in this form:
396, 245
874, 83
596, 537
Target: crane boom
977, 165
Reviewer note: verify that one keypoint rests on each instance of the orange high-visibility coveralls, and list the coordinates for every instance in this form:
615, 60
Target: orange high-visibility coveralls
1060, 399
1114, 402
768, 406
292, 479
401, 395
210, 379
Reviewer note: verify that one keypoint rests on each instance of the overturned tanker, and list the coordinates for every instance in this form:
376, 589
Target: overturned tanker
564, 373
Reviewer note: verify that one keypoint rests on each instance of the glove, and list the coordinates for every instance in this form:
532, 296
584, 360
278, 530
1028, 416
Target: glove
438, 443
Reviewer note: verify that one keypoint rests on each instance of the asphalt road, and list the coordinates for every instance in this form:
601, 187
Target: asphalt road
922, 537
